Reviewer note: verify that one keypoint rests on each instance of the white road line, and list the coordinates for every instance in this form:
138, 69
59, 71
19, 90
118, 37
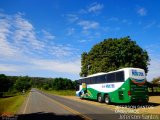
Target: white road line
25, 108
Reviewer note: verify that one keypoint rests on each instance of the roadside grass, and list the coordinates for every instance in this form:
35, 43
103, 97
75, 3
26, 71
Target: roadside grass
61, 92
11, 104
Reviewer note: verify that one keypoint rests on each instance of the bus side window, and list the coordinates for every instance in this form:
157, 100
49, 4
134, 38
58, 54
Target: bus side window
101, 79
105, 78
120, 76
78, 85
111, 77
83, 81
92, 80
87, 81
95, 80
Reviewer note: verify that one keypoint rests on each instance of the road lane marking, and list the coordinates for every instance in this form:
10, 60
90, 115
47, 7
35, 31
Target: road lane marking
66, 107
25, 108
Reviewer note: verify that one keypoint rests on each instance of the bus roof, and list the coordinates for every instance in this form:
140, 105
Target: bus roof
103, 73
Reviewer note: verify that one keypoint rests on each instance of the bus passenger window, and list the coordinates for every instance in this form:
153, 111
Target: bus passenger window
77, 86
120, 76
111, 77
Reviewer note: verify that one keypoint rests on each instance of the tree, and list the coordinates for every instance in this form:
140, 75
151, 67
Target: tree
84, 62
113, 54
23, 83
45, 86
4, 84
62, 84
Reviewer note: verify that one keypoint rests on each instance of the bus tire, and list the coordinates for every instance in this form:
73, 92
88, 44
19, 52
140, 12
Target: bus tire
107, 99
99, 98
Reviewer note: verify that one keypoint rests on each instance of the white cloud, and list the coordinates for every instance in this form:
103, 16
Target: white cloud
6, 49
119, 21
95, 7
70, 31
22, 49
7, 67
24, 31
150, 25
58, 66
61, 50
83, 40
22, 24
88, 24
34, 64
154, 71
83, 11
24, 39
48, 35
72, 17
142, 11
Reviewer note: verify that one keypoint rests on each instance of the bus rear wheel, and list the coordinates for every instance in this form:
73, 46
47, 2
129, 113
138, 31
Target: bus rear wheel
99, 99
107, 99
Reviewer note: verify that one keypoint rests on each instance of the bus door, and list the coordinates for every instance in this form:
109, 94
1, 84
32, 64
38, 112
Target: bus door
84, 87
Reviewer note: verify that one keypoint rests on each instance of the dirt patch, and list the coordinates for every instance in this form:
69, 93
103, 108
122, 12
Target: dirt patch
152, 108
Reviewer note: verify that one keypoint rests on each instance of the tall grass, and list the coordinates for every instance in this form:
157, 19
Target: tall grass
11, 104
61, 92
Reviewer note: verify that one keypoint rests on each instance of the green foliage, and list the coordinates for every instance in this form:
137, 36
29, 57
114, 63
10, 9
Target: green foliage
11, 85
57, 84
113, 54
46, 86
5, 84
38, 82
23, 83
62, 84
85, 64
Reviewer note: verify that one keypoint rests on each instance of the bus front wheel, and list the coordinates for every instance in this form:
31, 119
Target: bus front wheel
106, 99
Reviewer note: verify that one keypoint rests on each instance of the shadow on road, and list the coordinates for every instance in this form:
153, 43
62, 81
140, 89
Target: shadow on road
48, 116
141, 104
154, 93
130, 105
153, 104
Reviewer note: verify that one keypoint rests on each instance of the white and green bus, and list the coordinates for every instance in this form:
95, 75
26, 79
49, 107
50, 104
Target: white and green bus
126, 85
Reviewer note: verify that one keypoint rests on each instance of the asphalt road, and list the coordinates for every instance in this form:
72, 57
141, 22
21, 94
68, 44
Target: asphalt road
42, 106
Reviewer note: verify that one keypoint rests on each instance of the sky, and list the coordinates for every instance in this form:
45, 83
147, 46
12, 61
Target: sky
46, 38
